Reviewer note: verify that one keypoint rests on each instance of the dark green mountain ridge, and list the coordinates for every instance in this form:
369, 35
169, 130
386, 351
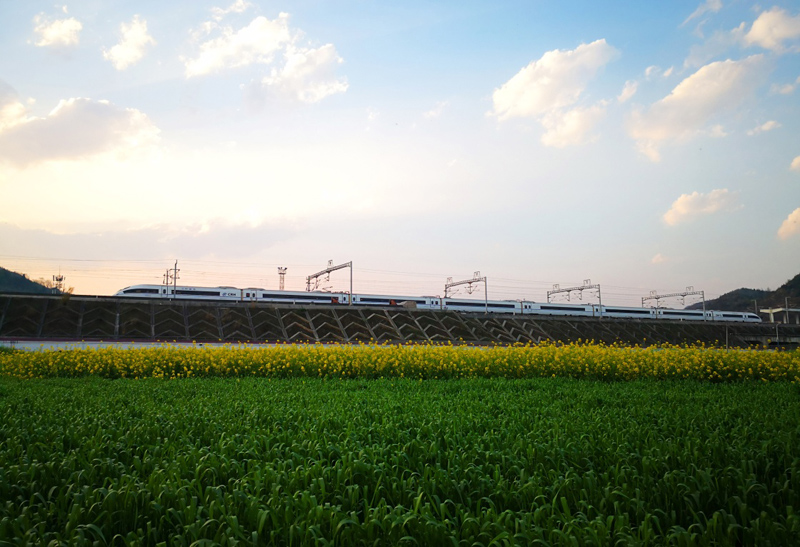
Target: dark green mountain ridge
12, 282
746, 299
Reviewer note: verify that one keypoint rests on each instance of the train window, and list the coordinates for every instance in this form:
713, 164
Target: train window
389, 301
318, 298
141, 291
198, 293
477, 304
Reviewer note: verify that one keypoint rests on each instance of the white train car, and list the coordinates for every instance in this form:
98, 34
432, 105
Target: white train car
493, 306
252, 294
737, 316
682, 315
549, 308
621, 312
421, 302
303, 297
708, 315
181, 291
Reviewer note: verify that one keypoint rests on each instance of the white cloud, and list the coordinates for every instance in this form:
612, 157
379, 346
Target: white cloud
11, 114
773, 28
655, 71
239, 6
795, 166
712, 6
131, 47
716, 131
436, 111
791, 225
12, 111
658, 259
689, 206
258, 42
76, 128
715, 88
554, 81
719, 42
308, 74
628, 91
651, 71
57, 33
764, 127
785, 89
571, 127
547, 88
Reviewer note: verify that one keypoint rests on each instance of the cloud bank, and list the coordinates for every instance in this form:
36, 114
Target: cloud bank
549, 88
713, 90
299, 73
239, 6
772, 29
132, 46
764, 127
709, 6
308, 75
690, 206
628, 91
258, 42
59, 33
74, 129
658, 259
790, 226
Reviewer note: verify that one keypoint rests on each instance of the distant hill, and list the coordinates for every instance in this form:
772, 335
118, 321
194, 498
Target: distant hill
12, 282
745, 299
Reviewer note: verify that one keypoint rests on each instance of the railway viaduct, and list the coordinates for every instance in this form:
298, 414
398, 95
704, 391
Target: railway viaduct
94, 318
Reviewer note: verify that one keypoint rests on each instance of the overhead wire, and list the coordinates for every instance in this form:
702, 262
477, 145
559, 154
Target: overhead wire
381, 280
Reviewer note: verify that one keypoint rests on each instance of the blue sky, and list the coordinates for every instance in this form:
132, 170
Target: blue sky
642, 146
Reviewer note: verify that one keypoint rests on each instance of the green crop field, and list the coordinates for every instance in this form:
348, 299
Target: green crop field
391, 461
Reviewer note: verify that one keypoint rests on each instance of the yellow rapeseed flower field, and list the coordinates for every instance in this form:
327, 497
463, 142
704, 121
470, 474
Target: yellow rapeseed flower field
577, 360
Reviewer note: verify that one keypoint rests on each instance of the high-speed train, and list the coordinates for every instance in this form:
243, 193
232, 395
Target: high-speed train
523, 307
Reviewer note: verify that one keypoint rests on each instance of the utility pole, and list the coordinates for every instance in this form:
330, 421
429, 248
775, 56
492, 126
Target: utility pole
58, 282
171, 277
327, 272
281, 275
175, 277
166, 282
476, 278
587, 285
682, 295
